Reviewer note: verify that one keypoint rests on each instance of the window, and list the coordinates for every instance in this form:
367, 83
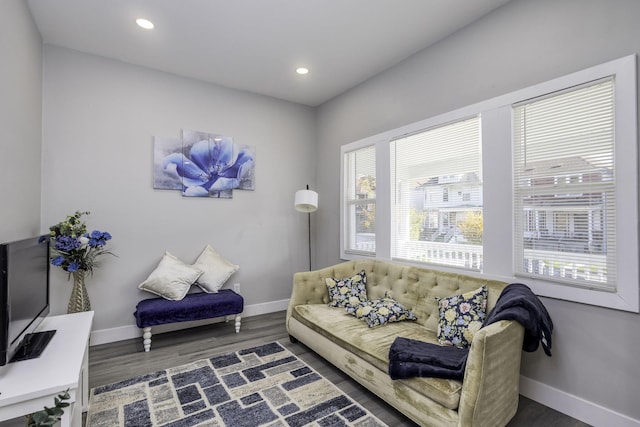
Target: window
564, 186
538, 186
431, 171
360, 207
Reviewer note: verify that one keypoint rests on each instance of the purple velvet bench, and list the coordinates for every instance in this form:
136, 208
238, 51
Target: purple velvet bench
198, 306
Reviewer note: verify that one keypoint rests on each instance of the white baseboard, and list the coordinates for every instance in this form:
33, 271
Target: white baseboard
105, 336
574, 406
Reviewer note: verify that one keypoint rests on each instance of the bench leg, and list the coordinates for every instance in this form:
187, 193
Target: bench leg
237, 323
146, 338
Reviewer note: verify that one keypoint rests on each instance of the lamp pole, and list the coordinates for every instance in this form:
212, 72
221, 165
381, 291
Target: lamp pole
309, 226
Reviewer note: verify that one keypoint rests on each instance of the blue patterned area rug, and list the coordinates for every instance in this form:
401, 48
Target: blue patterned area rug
260, 386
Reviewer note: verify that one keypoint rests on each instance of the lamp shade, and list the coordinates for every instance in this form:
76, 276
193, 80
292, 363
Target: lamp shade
306, 201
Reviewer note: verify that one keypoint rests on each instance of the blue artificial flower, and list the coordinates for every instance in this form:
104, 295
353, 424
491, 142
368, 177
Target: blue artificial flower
57, 261
67, 243
98, 238
73, 266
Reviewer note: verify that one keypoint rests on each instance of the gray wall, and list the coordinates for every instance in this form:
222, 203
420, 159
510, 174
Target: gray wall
100, 116
523, 43
20, 121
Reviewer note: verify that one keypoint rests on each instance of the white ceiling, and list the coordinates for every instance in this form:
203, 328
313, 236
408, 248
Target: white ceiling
256, 45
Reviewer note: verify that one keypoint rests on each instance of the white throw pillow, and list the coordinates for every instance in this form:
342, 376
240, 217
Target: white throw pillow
216, 270
171, 279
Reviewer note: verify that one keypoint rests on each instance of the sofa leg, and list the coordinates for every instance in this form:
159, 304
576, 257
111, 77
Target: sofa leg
146, 338
292, 339
237, 323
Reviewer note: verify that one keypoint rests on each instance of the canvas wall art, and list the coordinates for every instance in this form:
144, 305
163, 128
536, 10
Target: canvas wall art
203, 164
165, 172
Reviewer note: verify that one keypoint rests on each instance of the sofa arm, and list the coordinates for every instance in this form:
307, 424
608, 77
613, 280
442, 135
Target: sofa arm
490, 390
308, 288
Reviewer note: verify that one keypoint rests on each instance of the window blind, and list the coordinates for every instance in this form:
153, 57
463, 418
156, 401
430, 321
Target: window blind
360, 208
564, 186
437, 199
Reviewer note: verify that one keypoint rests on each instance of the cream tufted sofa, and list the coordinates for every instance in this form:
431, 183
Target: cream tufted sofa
488, 396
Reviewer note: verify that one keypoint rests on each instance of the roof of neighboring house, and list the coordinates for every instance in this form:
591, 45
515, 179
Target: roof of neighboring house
563, 166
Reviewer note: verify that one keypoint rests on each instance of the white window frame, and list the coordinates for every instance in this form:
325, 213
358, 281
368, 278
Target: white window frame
463, 255
627, 295
345, 234
537, 261
498, 208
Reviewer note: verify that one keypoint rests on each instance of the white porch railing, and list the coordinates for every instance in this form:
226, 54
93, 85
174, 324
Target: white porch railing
570, 265
588, 267
456, 255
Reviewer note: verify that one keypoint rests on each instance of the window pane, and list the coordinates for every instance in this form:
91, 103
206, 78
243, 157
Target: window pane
362, 221
437, 186
360, 209
565, 186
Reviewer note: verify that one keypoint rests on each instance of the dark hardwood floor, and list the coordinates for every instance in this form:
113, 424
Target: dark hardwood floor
124, 359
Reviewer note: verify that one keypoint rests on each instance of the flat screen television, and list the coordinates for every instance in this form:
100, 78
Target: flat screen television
24, 298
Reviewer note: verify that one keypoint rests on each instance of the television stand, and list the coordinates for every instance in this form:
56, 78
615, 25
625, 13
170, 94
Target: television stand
32, 346
30, 385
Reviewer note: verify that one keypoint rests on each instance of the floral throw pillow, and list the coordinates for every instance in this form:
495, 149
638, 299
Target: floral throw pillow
381, 311
347, 291
461, 316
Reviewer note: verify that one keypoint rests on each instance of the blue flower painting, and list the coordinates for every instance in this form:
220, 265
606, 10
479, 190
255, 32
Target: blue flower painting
204, 165
165, 178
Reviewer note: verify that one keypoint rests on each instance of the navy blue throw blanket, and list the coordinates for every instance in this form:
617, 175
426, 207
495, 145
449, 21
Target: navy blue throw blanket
518, 302
411, 358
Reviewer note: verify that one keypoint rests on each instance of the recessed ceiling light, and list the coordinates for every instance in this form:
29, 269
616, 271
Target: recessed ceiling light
302, 70
144, 23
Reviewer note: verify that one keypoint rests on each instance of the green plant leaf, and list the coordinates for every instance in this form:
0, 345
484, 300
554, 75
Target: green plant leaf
48, 417
40, 417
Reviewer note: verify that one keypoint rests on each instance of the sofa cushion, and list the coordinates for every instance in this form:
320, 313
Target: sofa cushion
372, 345
461, 316
196, 306
381, 311
415, 288
347, 291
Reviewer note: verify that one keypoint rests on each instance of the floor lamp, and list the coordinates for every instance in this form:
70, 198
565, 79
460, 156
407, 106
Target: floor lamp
307, 201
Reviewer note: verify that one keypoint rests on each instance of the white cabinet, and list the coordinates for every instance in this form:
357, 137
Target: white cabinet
30, 385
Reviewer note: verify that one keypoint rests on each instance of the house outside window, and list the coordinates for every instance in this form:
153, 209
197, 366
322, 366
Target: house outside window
431, 170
